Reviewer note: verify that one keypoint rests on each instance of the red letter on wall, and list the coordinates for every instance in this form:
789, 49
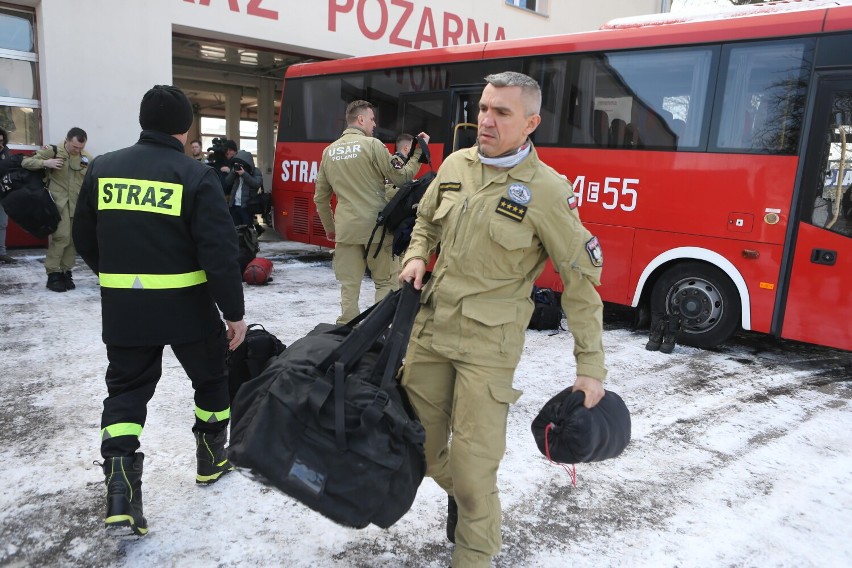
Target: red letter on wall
454, 34
362, 24
422, 34
334, 8
254, 9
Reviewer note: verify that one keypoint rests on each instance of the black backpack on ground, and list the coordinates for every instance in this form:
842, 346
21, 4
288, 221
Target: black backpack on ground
248, 360
547, 313
327, 423
249, 247
399, 214
25, 197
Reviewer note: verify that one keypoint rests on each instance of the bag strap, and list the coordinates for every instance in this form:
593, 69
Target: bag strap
366, 330
393, 351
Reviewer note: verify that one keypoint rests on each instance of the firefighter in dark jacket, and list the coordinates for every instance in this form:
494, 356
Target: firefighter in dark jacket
151, 223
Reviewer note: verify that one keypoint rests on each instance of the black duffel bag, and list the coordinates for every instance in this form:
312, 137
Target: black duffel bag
568, 432
327, 423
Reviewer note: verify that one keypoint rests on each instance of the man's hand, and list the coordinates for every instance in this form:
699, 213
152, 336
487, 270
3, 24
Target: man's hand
236, 333
53, 163
592, 388
225, 170
424, 136
413, 272
330, 236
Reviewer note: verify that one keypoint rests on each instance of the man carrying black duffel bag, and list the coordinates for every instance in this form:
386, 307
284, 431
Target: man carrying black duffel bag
326, 423
498, 213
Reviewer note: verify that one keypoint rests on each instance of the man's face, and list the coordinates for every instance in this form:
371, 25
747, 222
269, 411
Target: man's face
367, 121
503, 121
74, 146
229, 153
404, 148
196, 148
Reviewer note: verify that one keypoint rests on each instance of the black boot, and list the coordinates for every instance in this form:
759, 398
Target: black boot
212, 458
452, 519
658, 329
124, 493
69, 282
670, 335
56, 282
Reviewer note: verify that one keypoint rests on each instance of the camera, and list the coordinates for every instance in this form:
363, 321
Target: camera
216, 152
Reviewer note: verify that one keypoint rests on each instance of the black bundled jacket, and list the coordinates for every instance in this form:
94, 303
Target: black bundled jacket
151, 222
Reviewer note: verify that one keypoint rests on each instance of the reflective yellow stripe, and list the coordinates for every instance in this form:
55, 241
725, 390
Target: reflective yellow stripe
152, 281
206, 416
140, 195
121, 429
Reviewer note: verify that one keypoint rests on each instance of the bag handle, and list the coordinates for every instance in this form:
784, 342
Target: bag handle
397, 340
367, 328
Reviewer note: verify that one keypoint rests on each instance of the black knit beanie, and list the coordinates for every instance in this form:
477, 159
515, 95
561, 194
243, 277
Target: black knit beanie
166, 109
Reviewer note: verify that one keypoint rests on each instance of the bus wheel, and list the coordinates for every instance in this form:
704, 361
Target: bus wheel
705, 299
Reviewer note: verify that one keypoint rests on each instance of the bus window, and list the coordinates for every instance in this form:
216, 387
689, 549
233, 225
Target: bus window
318, 113
764, 96
424, 113
550, 74
832, 204
655, 99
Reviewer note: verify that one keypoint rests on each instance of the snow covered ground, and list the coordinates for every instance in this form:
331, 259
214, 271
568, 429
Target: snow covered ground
740, 456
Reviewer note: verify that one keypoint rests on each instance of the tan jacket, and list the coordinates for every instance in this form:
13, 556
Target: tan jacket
496, 230
64, 183
355, 168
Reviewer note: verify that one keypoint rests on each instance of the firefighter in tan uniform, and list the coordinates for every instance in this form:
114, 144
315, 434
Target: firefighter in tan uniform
66, 165
354, 168
498, 213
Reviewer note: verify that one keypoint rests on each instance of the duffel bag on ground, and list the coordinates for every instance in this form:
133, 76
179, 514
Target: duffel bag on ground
327, 423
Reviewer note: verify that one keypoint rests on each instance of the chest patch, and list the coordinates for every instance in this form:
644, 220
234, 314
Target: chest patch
512, 210
519, 193
449, 186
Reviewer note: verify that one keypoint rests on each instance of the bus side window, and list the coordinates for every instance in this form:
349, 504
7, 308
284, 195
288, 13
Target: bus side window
762, 100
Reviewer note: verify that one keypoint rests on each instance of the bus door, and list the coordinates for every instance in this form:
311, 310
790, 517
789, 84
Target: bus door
463, 120
818, 307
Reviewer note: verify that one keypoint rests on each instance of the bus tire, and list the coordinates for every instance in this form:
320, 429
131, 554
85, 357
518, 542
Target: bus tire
704, 297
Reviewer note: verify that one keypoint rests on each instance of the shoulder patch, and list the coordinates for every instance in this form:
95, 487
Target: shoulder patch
593, 247
572, 202
512, 210
449, 186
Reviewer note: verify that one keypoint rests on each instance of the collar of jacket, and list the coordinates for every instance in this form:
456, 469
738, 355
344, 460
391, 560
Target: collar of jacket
157, 137
522, 172
354, 130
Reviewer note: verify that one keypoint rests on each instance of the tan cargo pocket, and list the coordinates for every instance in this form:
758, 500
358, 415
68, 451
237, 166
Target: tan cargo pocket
485, 322
506, 395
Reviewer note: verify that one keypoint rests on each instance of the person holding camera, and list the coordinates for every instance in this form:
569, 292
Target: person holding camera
354, 168
243, 185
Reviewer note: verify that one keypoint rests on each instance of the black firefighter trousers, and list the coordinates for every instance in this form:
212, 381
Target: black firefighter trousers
132, 377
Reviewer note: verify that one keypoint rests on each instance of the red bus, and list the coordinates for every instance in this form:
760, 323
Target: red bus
709, 154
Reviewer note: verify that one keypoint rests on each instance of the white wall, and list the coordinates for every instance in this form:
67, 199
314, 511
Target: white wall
98, 57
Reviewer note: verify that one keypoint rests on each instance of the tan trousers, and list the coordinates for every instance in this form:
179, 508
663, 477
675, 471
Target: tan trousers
349, 265
471, 402
61, 253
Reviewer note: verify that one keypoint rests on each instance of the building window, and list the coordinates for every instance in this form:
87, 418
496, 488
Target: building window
20, 109
213, 127
537, 6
